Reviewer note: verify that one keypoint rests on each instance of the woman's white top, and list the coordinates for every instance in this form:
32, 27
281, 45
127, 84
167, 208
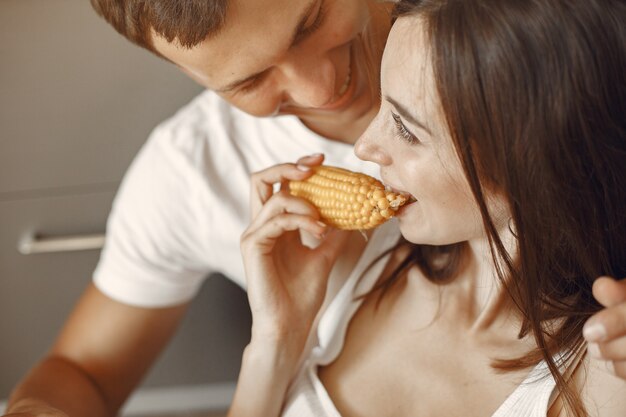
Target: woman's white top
307, 396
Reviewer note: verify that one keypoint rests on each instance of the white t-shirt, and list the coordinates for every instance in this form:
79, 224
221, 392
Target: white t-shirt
183, 204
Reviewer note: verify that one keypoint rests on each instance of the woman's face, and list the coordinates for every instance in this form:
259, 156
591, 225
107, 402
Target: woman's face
409, 140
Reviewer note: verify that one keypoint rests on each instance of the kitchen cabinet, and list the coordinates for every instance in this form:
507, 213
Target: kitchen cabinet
77, 101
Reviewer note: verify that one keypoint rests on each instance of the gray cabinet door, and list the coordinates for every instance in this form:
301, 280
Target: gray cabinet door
38, 291
76, 99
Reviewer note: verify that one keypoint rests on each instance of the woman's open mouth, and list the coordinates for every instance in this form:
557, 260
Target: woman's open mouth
409, 197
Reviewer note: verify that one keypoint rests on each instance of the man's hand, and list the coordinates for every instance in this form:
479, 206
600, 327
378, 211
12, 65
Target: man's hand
29, 408
606, 330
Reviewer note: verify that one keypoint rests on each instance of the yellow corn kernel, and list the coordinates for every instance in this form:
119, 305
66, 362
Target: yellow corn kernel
348, 200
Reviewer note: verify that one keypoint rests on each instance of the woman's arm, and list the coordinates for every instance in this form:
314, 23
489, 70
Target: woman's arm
286, 284
266, 371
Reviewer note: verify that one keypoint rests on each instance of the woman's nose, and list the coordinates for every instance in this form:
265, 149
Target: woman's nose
369, 147
308, 82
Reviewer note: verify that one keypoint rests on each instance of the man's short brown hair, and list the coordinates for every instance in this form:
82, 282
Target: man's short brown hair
187, 22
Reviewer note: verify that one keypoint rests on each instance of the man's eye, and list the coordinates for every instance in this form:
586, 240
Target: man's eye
319, 19
403, 132
317, 23
252, 84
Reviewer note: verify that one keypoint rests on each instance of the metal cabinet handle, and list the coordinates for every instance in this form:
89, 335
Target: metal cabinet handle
33, 244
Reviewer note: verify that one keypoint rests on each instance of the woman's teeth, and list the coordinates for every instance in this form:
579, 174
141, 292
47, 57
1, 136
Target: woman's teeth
409, 197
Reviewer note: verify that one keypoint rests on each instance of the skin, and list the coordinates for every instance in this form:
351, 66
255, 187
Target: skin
424, 341
303, 79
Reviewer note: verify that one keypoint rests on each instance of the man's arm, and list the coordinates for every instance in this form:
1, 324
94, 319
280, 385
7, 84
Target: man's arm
101, 355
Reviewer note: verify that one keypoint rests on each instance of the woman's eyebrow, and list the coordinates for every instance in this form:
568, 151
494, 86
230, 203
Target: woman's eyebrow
405, 114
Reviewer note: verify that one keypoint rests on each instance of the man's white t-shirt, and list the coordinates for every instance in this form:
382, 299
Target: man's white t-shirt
183, 204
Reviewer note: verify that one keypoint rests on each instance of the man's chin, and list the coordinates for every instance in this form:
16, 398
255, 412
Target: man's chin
351, 114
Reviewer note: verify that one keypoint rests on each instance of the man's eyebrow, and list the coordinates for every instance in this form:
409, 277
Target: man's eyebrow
297, 35
406, 114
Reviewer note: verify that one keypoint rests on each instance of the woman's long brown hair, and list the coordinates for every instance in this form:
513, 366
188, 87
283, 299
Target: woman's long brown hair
534, 95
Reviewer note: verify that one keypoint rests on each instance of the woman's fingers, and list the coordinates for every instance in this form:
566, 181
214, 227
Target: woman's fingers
263, 238
283, 202
311, 160
262, 182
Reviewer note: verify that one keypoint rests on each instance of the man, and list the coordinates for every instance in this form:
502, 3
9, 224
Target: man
183, 203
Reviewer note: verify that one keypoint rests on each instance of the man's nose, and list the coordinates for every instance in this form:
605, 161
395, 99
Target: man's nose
308, 81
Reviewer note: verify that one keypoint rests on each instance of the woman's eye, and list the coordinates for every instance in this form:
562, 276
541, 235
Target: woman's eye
403, 132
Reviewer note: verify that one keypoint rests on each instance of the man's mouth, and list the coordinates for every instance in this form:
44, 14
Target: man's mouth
346, 83
345, 92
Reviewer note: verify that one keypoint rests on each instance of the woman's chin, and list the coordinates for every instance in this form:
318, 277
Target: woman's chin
412, 235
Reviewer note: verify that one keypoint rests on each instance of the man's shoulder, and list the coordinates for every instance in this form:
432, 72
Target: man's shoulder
210, 124
207, 109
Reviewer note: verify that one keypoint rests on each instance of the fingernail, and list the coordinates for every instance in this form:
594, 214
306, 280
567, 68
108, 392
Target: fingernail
594, 350
594, 332
302, 167
321, 224
315, 155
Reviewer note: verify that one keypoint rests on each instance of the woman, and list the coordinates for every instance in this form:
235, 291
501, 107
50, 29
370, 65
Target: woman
504, 120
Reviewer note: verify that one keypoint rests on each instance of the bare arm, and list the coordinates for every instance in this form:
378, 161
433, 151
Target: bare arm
266, 371
286, 283
100, 356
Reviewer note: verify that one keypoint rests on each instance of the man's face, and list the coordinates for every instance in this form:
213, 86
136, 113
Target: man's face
299, 57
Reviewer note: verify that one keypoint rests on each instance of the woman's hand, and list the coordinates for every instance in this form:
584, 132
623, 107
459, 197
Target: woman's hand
286, 280
606, 330
286, 285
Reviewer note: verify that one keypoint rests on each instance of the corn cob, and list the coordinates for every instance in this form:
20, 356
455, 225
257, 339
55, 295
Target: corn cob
348, 200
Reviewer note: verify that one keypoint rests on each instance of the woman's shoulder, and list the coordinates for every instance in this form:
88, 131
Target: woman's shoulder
603, 393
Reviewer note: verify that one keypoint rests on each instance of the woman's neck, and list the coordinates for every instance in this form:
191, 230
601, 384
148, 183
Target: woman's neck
477, 299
